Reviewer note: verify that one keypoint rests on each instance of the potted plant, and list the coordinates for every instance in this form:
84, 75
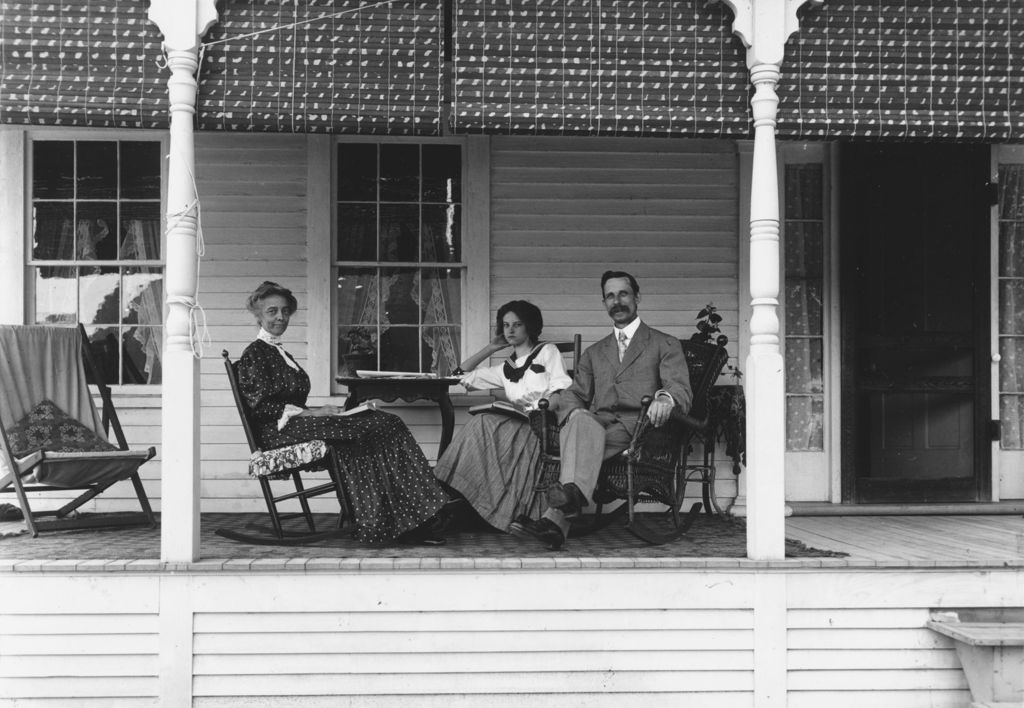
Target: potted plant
708, 331
362, 350
727, 404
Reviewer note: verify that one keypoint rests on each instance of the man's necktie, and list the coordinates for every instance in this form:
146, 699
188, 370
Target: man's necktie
623, 343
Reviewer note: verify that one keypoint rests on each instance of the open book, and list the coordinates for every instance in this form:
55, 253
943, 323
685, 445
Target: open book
372, 374
502, 407
364, 406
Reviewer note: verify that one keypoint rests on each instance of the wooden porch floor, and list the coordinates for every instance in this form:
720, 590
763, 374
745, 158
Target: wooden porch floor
956, 539
867, 541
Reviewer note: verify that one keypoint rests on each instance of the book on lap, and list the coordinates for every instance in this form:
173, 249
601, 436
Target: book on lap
500, 407
362, 407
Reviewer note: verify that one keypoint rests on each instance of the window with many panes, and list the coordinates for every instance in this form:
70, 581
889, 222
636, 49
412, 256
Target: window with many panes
95, 255
804, 229
398, 259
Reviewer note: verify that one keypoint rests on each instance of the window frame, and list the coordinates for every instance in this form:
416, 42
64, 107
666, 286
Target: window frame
322, 201
806, 479
28, 264
1007, 478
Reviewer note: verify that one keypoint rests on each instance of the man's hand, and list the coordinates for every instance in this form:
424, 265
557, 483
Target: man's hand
659, 411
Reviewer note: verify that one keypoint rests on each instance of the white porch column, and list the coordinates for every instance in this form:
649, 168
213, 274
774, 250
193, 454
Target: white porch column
183, 23
764, 26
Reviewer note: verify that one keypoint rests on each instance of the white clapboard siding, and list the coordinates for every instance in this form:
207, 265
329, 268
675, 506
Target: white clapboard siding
97, 642
878, 657
529, 653
254, 224
564, 210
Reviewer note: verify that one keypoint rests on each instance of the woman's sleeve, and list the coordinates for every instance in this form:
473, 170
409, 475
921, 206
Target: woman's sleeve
484, 377
557, 378
257, 387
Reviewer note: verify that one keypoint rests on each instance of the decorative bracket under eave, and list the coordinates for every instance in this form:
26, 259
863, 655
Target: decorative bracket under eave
764, 26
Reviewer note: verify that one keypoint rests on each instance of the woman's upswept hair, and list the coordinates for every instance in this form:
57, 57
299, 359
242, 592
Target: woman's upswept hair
527, 312
265, 290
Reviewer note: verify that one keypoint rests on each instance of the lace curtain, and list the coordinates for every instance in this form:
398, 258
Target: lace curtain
804, 262
142, 242
1011, 306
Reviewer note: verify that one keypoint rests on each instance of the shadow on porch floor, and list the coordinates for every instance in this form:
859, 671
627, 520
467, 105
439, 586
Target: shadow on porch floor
710, 537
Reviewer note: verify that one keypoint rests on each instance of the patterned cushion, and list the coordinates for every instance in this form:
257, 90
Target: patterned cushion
47, 427
271, 463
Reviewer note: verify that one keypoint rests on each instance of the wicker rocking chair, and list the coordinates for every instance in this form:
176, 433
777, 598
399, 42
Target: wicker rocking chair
655, 468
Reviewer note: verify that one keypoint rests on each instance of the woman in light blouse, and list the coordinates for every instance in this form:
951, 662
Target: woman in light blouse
492, 460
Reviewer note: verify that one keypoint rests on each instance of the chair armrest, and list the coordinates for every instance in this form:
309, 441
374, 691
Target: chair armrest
650, 442
700, 425
545, 426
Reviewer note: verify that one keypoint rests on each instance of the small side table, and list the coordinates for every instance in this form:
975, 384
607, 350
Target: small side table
407, 388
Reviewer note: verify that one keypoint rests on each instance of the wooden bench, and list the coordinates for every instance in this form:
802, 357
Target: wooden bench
990, 644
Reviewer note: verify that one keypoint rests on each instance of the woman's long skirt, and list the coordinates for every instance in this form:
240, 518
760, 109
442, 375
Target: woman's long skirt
385, 473
492, 462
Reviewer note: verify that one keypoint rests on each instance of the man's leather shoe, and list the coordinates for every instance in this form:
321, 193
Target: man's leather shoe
567, 498
544, 530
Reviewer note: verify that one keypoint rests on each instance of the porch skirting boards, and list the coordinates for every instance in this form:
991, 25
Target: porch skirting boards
291, 632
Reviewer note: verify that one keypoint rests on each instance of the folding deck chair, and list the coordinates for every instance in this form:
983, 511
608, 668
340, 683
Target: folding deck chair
52, 438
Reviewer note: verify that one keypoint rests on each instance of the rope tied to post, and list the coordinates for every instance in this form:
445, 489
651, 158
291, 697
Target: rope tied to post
198, 333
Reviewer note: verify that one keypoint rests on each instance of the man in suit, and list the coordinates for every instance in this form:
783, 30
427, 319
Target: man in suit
600, 410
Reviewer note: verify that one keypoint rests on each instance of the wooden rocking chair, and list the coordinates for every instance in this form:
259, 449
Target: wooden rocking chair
53, 437
654, 468
286, 463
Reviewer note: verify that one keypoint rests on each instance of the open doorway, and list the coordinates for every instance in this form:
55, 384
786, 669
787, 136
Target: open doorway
914, 244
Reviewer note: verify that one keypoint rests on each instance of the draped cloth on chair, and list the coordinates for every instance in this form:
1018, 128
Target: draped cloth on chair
39, 363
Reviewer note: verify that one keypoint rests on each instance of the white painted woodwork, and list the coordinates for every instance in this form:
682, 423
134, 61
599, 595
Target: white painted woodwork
764, 26
705, 637
476, 241
809, 473
78, 637
745, 154
770, 640
13, 224
319, 284
833, 371
182, 26
765, 394
564, 210
1007, 465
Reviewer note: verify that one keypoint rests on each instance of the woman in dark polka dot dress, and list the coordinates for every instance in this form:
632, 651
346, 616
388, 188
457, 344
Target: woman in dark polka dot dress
393, 494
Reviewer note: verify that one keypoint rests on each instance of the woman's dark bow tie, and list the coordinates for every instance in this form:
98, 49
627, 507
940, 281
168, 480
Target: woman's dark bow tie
514, 373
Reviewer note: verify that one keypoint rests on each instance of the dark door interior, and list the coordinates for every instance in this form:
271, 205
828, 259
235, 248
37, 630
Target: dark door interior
914, 234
